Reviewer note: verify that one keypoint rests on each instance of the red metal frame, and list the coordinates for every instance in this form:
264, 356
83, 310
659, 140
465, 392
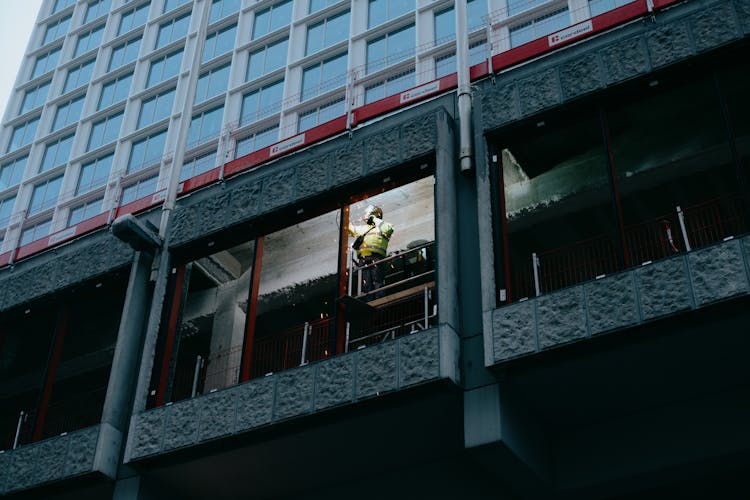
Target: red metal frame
343, 279
174, 314
616, 189
504, 230
336, 126
252, 312
49, 381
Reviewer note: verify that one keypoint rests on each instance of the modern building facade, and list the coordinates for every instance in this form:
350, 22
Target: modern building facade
563, 311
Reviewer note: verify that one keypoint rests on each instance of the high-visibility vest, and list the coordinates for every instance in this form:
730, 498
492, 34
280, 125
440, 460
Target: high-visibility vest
376, 240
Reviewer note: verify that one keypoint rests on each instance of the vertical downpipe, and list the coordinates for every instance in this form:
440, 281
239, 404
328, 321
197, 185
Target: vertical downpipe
465, 151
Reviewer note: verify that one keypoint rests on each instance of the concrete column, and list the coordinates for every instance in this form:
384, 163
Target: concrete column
125, 363
446, 218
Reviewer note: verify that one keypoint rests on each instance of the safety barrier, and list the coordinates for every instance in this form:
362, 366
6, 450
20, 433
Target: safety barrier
296, 346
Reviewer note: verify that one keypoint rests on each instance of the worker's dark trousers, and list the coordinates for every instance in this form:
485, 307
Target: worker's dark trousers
372, 276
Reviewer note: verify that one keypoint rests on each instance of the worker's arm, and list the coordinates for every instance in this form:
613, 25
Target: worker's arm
352, 230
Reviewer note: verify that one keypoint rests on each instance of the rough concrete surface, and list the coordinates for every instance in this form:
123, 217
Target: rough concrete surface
611, 303
294, 392
625, 59
663, 288
561, 317
714, 26
335, 382
718, 272
539, 91
581, 75
217, 414
514, 330
420, 358
255, 403
376, 370
181, 426
669, 43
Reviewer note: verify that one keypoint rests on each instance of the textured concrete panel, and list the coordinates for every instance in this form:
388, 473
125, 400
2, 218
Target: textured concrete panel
51, 458
499, 104
182, 424
22, 472
562, 317
4, 469
718, 272
668, 44
294, 392
376, 369
27, 284
580, 76
81, 451
743, 14
347, 163
611, 303
381, 150
513, 330
419, 137
255, 403
85, 262
148, 433
663, 288
335, 381
244, 203
539, 91
746, 250
217, 414
625, 60
205, 216
419, 358
714, 26
278, 190
312, 176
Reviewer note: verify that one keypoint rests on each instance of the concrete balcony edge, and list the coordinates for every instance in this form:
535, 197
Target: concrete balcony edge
367, 373
680, 283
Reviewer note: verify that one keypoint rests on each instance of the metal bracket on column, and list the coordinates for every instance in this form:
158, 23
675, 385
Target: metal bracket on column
141, 236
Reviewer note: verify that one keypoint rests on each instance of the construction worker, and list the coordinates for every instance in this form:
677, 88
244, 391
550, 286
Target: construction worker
371, 245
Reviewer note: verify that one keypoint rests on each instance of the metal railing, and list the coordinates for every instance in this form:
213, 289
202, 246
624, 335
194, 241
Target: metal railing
296, 346
402, 270
683, 230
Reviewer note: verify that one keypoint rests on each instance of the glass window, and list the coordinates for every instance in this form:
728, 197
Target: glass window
85, 211
115, 90
156, 108
198, 165
262, 102
23, 134
218, 43
105, 131
164, 67
45, 62
539, 27
272, 18
316, 5
267, 59
256, 141
147, 151
34, 97
173, 4
139, 189
172, 30
516, 6
212, 83
327, 32
56, 153
601, 6
324, 76
45, 194
96, 9
222, 8
475, 12
89, 41
68, 113
204, 126
321, 114
390, 86
445, 65
390, 48
36, 232
124, 53
380, 11
133, 18
94, 174
61, 4
445, 26
6, 210
79, 75
56, 29
11, 173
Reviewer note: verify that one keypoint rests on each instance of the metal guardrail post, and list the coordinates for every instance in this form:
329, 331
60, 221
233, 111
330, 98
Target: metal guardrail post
196, 372
359, 281
535, 263
305, 333
426, 308
346, 343
681, 218
351, 268
21, 417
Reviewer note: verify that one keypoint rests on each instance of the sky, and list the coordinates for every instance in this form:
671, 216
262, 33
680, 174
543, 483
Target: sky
17, 19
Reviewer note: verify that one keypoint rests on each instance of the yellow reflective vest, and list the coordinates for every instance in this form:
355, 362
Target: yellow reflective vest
376, 237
